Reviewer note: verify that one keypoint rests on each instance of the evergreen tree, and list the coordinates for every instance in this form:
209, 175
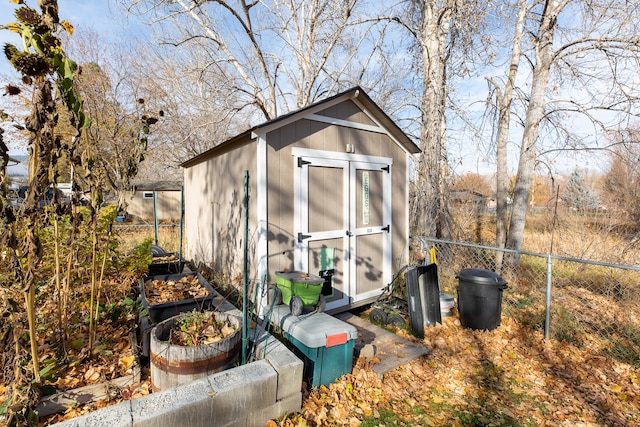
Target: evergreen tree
578, 195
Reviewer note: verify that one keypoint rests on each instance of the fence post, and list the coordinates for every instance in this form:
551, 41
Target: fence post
547, 319
155, 215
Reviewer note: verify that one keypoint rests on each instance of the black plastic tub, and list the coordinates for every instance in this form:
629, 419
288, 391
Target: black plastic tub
166, 263
159, 312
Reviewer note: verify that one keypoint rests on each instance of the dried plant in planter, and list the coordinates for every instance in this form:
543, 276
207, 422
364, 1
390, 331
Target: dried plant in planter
198, 328
159, 291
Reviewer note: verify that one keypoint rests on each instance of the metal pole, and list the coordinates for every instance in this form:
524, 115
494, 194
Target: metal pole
547, 320
155, 216
245, 287
180, 266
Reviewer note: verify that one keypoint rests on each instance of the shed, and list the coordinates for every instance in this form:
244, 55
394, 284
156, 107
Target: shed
475, 200
328, 194
163, 196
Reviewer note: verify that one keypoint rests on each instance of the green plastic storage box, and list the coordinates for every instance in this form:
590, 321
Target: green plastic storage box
324, 343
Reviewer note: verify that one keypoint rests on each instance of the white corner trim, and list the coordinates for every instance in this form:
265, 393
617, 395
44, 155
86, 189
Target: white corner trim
262, 268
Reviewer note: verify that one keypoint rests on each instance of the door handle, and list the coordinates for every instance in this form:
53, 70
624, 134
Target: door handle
350, 234
301, 237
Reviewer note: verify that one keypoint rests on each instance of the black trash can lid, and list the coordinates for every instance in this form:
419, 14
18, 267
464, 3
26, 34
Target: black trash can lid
481, 276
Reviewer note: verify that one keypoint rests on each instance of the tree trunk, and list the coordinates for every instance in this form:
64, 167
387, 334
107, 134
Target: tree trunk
535, 112
504, 110
433, 216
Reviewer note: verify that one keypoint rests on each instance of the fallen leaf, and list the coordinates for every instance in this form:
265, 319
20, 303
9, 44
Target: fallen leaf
127, 361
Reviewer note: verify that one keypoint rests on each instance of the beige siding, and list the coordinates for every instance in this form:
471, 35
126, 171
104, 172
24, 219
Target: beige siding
347, 111
167, 206
214, 212
322, 136
280, 178
214, 192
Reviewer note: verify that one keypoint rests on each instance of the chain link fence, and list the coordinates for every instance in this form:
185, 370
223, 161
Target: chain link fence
166, 236
585, 303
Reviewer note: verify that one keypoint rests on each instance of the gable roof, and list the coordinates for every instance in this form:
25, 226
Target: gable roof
355, 94
157, 186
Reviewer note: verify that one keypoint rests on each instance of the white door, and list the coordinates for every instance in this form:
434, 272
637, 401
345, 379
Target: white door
343, 223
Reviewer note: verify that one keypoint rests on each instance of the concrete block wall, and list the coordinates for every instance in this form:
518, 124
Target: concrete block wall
244, 396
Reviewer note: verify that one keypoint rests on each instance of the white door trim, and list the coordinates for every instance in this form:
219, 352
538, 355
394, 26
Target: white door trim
336, 155
384, 229
350, 163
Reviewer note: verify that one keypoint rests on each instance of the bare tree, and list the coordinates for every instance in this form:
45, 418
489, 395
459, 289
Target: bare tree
504, 98
275, 56
443, 33
198, 111
116, 100
621, 183
579, 83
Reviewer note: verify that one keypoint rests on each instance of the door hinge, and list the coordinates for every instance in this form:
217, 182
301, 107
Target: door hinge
302, 162
301, 237
387, 228
386, 168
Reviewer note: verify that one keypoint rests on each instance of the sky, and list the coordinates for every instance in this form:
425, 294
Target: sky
101, 16
104, 17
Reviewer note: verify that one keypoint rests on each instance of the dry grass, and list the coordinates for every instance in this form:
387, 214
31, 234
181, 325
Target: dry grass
597, 236
130, 236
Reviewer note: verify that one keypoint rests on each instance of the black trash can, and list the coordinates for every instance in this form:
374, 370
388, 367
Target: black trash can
480, 298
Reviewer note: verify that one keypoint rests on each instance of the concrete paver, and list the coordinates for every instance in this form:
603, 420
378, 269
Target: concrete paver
391, 349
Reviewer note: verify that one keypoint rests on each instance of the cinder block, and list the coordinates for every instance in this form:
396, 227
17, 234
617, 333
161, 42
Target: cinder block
289, 405
244, 389
118, 415
288, 366
252, 393
148, 410
191, 406
215, 400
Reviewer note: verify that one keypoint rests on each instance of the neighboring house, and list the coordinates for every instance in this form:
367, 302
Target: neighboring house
163, 196
480, 203
328, 191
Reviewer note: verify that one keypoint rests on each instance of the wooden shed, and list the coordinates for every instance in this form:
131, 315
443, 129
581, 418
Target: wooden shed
328, 192
160, 198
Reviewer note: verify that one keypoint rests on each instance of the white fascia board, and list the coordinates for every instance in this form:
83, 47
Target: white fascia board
372, 117
307, 111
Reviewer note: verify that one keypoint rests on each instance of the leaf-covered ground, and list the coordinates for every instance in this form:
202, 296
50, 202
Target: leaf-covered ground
509, 376
506, 377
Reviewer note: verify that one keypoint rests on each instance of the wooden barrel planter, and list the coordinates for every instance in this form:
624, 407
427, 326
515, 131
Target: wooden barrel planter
173, 365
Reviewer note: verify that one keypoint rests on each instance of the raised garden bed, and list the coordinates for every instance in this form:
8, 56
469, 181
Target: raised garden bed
166, 263
164, 296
